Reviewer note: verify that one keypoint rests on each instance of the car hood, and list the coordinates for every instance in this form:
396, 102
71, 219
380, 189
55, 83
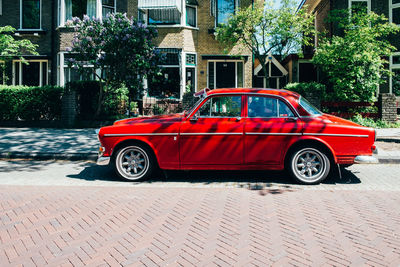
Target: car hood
158, 119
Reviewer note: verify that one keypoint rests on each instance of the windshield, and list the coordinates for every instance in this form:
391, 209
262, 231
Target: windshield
187, 112
309, 107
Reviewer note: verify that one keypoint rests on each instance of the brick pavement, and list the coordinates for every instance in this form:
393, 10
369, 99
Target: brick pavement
159, 226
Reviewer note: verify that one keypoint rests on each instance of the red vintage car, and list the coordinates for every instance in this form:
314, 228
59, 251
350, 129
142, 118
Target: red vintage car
238, 129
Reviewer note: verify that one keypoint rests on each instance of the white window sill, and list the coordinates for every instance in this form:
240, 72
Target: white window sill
174, 26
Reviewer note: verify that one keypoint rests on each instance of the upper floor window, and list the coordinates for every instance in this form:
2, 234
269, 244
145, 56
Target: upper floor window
164, 16
223, 9
191, 18
394, 15
69, 9
30, 14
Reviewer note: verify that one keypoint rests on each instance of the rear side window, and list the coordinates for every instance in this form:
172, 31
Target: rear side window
267, 107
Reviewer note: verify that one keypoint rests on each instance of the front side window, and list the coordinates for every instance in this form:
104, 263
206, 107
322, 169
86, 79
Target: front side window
30, 14
223, 106
164, 16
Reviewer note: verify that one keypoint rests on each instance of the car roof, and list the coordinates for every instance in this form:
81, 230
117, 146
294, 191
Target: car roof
278, 92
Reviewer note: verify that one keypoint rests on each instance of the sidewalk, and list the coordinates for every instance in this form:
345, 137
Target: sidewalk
82, 144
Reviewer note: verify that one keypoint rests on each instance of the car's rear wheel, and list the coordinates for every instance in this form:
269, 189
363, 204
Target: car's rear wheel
309, 165
134, 163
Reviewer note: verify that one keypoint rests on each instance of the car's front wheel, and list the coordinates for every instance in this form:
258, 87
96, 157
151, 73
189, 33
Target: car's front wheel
309, 165
134, 163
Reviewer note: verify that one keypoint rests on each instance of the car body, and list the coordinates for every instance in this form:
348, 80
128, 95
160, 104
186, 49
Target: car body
238, 129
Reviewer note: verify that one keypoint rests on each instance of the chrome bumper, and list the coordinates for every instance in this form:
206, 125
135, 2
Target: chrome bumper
103, 161
366, 160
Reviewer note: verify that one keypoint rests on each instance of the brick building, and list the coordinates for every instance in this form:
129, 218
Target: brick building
301, 70
186, 35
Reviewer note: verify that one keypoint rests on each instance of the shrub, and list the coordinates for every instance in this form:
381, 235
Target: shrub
30, 103
312, 89
375, 123
114, 103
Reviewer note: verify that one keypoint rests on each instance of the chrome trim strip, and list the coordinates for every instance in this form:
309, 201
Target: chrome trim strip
211, 133
338, 135
255, 133
139, 134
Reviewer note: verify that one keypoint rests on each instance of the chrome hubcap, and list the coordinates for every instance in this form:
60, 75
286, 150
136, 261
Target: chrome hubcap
309, 164
132, 162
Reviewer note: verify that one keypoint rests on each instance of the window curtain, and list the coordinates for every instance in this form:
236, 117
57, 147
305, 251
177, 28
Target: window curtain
164, 16
68, 9
191, 16
91, 8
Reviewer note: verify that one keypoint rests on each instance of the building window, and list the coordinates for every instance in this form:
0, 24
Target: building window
395, 79
357, 6
66, 74
225, 74
168, 84
225, 8
108, 7
69, 9
191, 59
32, 73
1, 7
191, 13
30, 18
164, 16
394, 11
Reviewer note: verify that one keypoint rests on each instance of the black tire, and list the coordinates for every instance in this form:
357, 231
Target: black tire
309, 165
134, 162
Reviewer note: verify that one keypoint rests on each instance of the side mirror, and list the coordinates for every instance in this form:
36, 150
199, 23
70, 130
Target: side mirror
195, 117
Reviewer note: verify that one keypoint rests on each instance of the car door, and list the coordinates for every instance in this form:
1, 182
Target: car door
271, 124
213, 135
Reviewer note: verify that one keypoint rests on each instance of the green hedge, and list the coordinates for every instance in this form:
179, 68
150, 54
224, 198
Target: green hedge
30, 103
309, 90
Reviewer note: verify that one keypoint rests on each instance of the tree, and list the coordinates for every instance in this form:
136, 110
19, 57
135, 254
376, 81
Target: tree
356, 62
118, 51
263, 29
10, 48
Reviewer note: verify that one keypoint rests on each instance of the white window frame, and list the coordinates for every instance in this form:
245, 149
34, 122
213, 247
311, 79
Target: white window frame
185, 65
393, 67
185, 17
41, 69
61, 11
1, 7
367, 1
20, 17
227, 61
61, 66
391, 7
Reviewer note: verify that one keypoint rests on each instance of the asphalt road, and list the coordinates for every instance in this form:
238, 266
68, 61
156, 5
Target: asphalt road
79, 214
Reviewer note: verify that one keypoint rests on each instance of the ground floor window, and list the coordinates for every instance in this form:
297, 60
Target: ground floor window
167, 85
2, 71
225, 74
307, 72
395, 79
31, 73
66, 74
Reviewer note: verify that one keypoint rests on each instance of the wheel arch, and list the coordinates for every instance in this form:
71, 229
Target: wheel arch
314, 142
130, 141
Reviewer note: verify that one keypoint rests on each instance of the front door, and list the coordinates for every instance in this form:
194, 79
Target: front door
215, 137
270, 126
225, 75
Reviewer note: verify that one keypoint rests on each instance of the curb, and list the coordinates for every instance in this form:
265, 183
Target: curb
389, 160
49, 156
